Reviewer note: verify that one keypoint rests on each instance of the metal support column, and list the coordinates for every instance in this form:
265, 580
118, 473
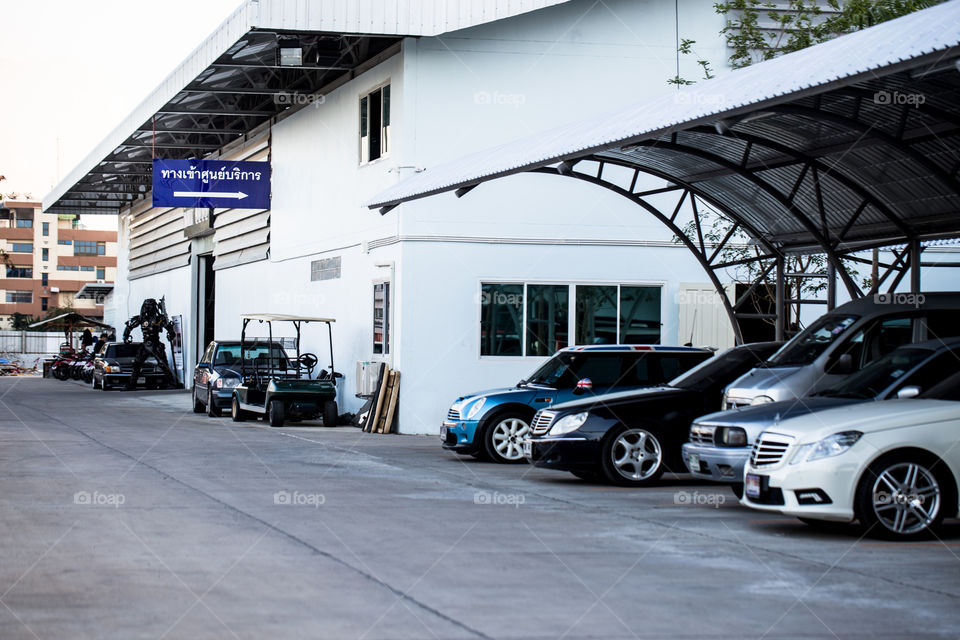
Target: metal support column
781, 303
915, 250
831, 286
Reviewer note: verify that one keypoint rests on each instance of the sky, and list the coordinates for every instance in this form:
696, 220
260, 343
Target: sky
71, 70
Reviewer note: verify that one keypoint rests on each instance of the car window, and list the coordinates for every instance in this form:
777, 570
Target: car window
724, 368
123, 350
555, 372
942, 324
880, 374
878, 339
603, 369
812, 341
949, 389
932, 373
208, 354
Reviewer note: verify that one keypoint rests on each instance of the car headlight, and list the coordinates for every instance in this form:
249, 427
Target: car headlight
761, 400
569, 423
733, 437
475, 408
827, 448
225, 383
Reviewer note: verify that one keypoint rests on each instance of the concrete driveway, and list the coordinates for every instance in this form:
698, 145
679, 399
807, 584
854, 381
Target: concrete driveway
124, 515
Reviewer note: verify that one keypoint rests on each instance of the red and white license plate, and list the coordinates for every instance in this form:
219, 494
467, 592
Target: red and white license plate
751, 485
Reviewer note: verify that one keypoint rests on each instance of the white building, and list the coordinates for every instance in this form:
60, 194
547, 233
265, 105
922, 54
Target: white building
469, 293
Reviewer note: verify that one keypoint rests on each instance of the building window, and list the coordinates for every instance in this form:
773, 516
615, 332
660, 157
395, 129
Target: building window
19, 272
501, 319
43, 303
46, 228
89, 248
602, 314
548, 316
44, 279
381, 318
67, 267
22, 247
45, 253
86, 268
326, 269
25, 223
374, 124
101, 273
65, 242
19, 296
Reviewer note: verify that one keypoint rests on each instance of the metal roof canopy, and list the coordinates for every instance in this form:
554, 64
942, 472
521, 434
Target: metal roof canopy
847, 145
94, 291
233, 83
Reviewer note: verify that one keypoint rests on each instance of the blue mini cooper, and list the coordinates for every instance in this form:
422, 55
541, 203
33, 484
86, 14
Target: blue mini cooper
492, 424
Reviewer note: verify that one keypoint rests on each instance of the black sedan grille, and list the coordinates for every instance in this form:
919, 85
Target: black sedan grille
541, 422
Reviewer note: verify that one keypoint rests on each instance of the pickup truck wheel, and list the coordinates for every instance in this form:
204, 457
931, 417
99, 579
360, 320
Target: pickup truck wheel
212, 409
197, 405
503, 439
330, 414
236, 413
632, 457
901, 496
275, 413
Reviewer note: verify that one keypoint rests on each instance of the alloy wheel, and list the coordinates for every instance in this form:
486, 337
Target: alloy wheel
636, 454
507, 436
906, 498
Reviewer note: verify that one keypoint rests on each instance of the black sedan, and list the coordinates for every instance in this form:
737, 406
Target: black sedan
632, 438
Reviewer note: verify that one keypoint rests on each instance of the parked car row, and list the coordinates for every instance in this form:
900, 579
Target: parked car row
856, 419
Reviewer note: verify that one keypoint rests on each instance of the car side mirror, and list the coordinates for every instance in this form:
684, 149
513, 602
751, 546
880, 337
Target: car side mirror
842, 365
583, 386
911, 391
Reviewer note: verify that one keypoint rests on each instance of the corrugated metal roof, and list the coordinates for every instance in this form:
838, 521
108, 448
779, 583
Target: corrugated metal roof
930, 37
240, 38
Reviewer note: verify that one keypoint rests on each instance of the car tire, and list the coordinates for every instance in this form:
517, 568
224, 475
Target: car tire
104, 385
276, 413
213, 410
737, 490
330, 414
236, 413
632, 457
197, 405
503, 437
903, 496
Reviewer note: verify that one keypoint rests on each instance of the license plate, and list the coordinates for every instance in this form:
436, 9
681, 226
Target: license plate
527, 448
443, 433
693, 461
751, 485
141, 380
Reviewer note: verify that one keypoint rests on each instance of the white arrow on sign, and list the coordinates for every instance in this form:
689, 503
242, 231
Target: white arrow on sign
239, 195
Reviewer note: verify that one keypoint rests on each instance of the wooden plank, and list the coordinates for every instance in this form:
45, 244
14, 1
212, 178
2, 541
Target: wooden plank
394, 399
375, 407
384, 406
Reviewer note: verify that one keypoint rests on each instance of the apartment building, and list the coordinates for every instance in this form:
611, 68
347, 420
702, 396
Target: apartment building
50, 259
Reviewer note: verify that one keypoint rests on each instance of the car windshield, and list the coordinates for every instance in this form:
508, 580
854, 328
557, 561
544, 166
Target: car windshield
812, 341
123, 350
878, 375
723, 368
555, 372
254, 355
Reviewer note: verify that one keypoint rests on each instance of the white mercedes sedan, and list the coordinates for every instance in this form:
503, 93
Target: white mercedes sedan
892, 466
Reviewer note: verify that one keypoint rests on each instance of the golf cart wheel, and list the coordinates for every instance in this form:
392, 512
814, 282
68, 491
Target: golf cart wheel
212, 409
275, 413
503, 439
197, 405
330, 414
236, 413
632, 457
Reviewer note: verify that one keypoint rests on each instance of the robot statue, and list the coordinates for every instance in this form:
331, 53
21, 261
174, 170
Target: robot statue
152, 318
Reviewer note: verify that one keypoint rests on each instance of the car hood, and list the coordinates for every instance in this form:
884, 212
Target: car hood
774, 411
510, 394
870, 417
620, 397
761, 381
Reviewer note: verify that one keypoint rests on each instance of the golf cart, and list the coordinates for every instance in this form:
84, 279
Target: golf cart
278, 388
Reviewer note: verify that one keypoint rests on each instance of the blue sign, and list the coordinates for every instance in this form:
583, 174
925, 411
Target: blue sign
218, 184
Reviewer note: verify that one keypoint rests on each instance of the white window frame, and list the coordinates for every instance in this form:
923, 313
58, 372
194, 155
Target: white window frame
571, 308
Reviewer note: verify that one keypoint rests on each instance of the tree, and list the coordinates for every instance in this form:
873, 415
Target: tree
21, 321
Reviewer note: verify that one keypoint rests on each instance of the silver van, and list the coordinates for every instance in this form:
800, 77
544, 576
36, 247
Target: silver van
844, 341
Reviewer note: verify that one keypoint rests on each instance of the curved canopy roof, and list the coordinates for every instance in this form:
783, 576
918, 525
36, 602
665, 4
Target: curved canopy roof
848, 144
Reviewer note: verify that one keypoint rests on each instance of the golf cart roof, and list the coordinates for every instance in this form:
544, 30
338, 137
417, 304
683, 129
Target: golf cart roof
281, 317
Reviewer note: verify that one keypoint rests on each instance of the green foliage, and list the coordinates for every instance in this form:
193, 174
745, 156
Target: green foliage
21, 321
